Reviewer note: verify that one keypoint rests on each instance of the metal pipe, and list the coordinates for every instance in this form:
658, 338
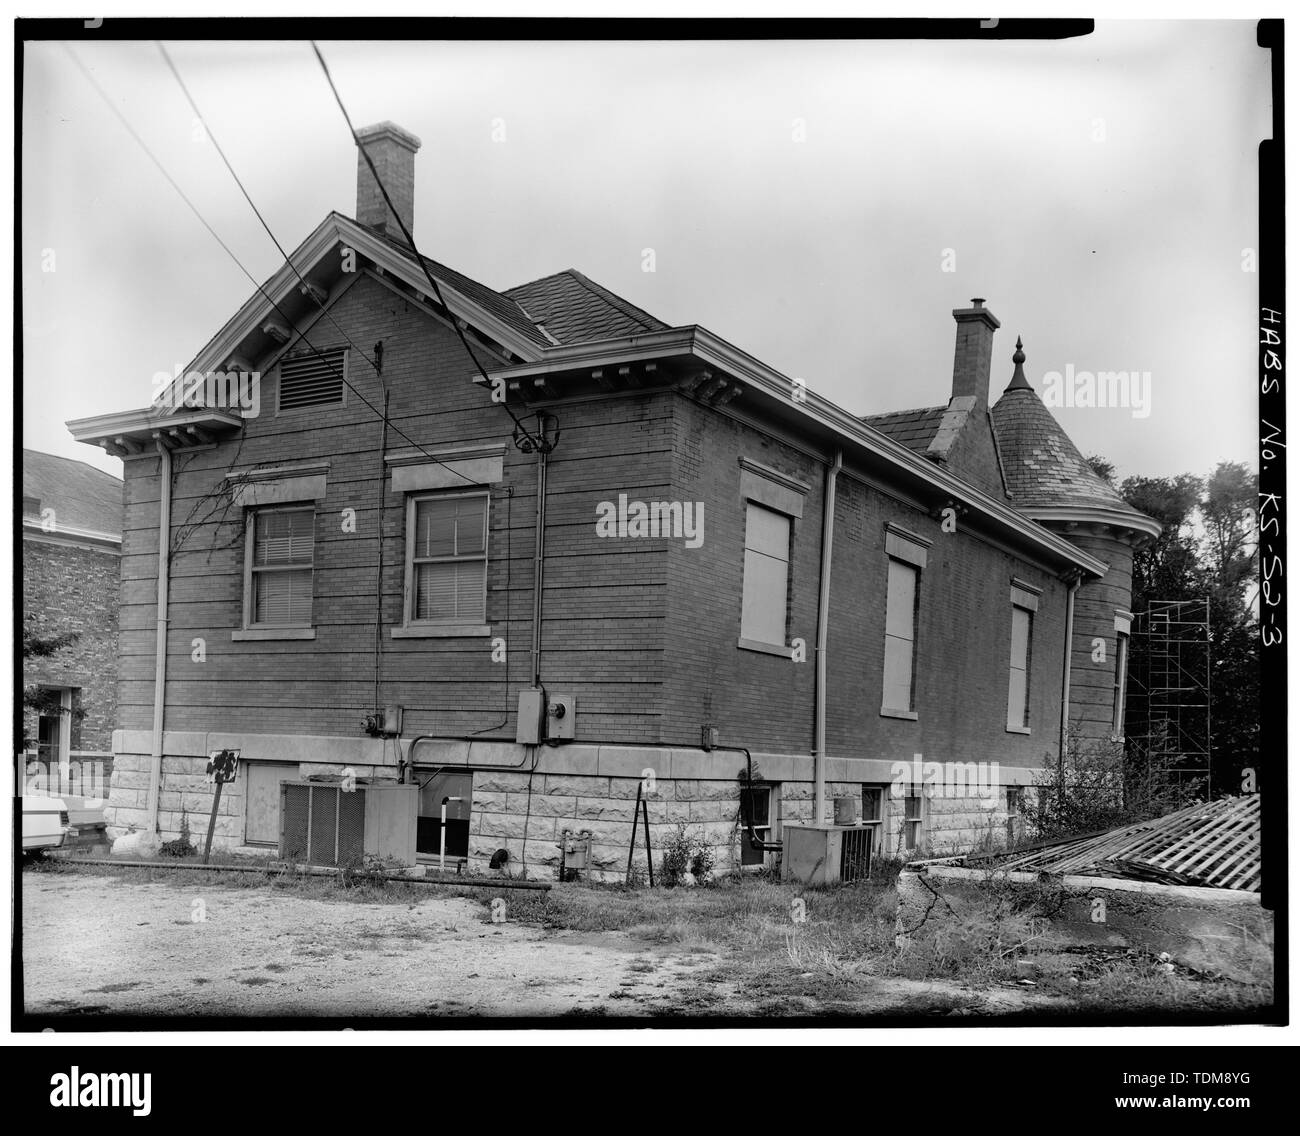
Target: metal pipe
442, 835
160, 641
823, 619
538, 555
1065, 689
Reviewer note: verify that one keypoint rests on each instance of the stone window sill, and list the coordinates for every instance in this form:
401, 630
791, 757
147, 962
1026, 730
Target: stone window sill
442, 631
1019, 730
252, 633
908, 715
765, 648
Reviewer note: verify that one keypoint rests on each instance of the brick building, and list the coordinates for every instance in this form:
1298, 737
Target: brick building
72, 541
675, 554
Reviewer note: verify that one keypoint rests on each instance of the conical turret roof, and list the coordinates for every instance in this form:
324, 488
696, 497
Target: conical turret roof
1042, 468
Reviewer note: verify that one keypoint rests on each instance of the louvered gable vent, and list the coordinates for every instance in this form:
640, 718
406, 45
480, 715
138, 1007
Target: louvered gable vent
313, 380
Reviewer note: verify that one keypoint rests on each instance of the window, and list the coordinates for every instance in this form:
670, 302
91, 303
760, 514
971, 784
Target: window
1022, 634
911, 830
1015, 814
873, 814
755, 804
313, 380
278, 560
447, 560
899, 683
767, 576
1121, 683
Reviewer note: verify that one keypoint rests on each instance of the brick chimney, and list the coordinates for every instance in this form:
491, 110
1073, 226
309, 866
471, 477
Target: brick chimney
974, 355
392, 149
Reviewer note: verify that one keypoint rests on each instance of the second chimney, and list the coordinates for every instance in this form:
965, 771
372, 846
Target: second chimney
974, 355
392, 149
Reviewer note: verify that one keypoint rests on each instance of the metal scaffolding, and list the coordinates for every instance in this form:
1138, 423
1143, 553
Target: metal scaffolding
1168, 706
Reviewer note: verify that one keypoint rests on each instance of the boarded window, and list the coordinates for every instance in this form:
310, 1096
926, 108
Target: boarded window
900, 637
767, 575
449, 559
280, 570
313, 380
1022, 633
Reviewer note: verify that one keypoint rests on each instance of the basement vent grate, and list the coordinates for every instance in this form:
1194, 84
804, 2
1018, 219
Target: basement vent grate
855, 854
313, 380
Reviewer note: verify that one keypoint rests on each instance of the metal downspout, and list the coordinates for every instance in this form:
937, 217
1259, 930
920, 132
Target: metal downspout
823, 619
160, 646
539, 554
1065, 686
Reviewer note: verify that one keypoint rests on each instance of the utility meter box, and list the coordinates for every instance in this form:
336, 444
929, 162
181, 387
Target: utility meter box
560, 715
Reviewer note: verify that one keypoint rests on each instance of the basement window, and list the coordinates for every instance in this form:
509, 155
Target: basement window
873, 815
446, 565
1015, 814
755, 803
913, 807
316, 379
279, 552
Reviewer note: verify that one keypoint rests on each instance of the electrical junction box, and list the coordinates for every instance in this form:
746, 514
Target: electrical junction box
391, 724
529, 721
560, 717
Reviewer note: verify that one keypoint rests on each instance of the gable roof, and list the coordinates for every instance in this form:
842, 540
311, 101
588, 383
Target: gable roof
575, 309
914, 429
499, 304
85, 500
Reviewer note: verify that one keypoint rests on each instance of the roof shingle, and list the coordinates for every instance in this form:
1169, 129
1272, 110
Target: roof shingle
81, 496
914, 429
576, 309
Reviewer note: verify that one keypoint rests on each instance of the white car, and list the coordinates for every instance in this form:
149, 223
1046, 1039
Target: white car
45, 823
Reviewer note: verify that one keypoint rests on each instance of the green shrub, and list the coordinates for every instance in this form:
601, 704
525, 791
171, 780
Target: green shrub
686, 852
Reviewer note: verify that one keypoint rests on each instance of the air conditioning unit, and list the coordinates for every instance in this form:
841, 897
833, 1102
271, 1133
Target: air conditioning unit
817, 854
323, 823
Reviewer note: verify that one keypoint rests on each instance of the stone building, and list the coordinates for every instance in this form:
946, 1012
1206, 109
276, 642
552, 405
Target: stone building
586, 554
72, 543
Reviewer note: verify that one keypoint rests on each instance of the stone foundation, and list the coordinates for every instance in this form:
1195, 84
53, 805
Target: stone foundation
579, 788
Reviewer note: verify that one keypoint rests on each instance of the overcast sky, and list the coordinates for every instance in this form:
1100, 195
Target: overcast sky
1098, 192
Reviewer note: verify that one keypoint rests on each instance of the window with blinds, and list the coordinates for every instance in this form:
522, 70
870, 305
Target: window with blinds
448, 550
313, 380
280, 567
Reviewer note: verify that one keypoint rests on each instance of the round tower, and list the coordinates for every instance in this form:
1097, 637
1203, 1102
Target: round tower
1048, 480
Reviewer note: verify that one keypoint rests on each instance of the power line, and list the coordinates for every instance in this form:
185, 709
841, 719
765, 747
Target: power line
535, 443
252, 205
202, 220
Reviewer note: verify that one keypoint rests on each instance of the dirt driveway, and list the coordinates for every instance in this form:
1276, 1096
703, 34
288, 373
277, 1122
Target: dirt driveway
108, 945
104, 945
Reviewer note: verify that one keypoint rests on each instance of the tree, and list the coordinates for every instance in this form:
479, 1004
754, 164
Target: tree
42, 701
1207, 550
